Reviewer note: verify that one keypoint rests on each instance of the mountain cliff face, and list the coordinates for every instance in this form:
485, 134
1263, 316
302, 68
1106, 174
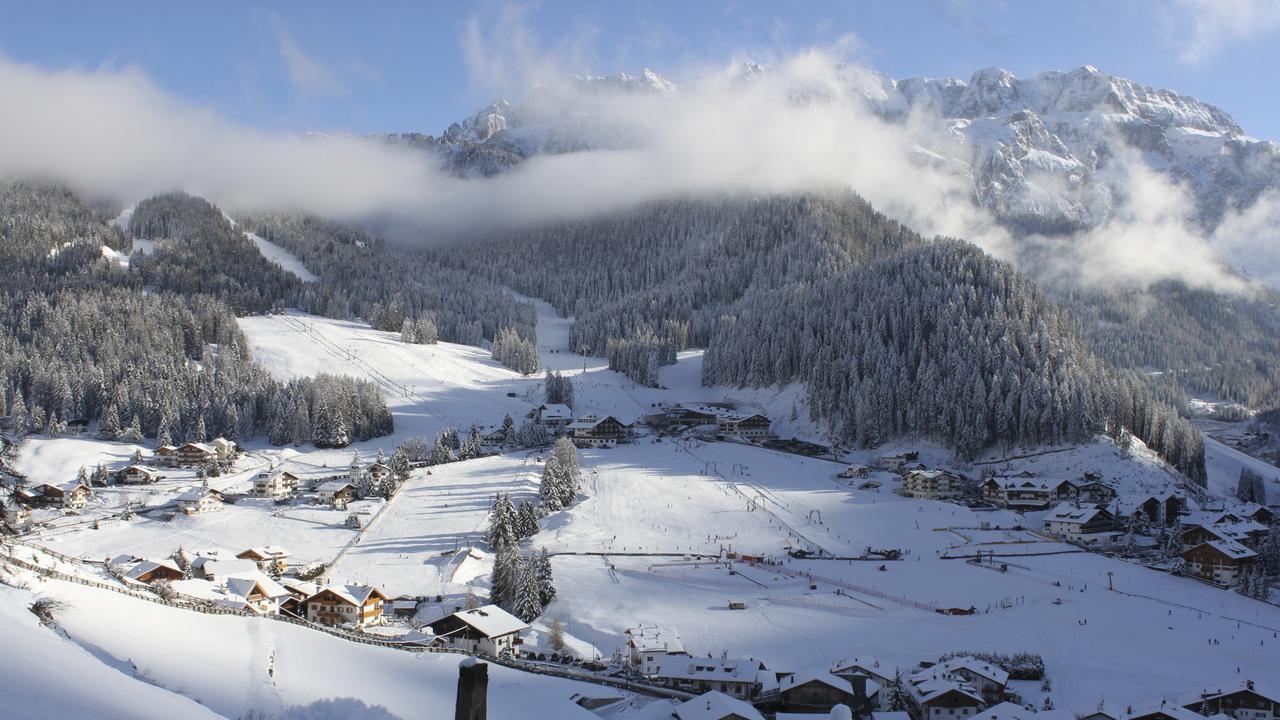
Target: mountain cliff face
1044, 153
1039, 148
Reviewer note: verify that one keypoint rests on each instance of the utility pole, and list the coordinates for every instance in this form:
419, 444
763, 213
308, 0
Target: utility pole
1109, 585
582, 350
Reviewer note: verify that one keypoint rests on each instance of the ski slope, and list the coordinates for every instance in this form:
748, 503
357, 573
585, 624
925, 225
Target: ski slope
125, 658
282, 257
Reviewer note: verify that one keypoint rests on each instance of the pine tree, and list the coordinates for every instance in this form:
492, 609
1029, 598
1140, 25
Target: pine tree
526, 520
546, 583
896, 700
503, 524
1173, 548
551, 488
109, 422
528, 603
1269, 551
505, 578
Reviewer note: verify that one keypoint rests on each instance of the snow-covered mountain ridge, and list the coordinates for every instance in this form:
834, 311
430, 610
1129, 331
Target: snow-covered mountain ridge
1043, 153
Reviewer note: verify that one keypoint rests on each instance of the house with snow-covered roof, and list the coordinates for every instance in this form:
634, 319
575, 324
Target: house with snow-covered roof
865, 665
1086, 524
817, 691
138, 475
194, 453
149, 571
715, 705
200, 500
336, 491
932, 485
69, 495
357, 605
593, 431
1242, 700
742, 679
553, 416
275, 484
1221, 562
267, 557
647, 645
990, 680
933, 696
752, 427
256, 592
487, 629
1163, 710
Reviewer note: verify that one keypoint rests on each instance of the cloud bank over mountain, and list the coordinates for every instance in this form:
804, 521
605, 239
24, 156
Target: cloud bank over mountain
593, 146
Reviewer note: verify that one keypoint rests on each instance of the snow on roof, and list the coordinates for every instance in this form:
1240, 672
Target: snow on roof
1231, 549
930, 474
976, 666
724, 669
241, 584
197, 495
146, 566
1265, 690
354, 594
491, 620
266, 552
819, 676
198, 446
300, 587
1173, 710
334, 486
650, 638
1012, 711
555, 410
716, 706
1072, 514
934, 688
214, 568
866, 663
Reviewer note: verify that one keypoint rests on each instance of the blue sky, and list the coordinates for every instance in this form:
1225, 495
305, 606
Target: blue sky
416, 66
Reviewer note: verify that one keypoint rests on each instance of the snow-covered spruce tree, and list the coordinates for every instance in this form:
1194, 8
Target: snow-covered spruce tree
526, 520
896, 694
503, 530
559, 389
514, 351
440, 451
1173, 546
528, 603
505, 579
546, 583
551, 489
1269, 550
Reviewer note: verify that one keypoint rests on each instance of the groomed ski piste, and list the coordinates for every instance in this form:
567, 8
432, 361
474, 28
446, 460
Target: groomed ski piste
640, 546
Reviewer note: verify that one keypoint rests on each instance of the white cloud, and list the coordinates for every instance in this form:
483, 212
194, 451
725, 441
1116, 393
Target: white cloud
1201, 28
309, 76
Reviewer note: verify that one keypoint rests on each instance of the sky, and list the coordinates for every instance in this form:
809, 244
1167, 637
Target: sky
396, 66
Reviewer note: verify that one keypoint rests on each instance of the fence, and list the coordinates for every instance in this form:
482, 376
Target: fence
207, 609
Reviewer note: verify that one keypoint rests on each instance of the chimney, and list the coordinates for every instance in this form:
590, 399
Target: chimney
473, 690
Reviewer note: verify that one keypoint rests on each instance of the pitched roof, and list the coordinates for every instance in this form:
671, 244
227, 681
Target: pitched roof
715, 706
555, 410
976, 666
650, 638
1072, 514
198, 494
353, 594
491, 620
241, 584
723, 669
793, 681
865, 663
148, 566
265, 552
1265, 690
1173, 710
1009, 711
334, 486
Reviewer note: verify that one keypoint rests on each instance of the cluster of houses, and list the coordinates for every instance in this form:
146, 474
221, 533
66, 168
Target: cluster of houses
605, 431
1221, 546
1025, 491
955, 688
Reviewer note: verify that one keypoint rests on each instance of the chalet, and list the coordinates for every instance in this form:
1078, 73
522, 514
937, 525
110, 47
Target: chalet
267, 557
201, 500
742, 679
1092, 491
895, 463
989, 680
1162, 711
686, 416
256, 592
1104, 711
216, 568
149, 571
488, 629
336, 491
273, 484
855, 471
138, 475
70, 495
1163, 508
15, 514
868, 666
932, 697
224, 449
1257, 513
648, 645
1220, 562
591, 431
1026, 492
818, 692
716, 706
752, 428
1244, 700
1246, 532
357, 605
379, 472
1086, 524
932, 485
192, 454
299, 591
165, 455
404, 606
1012, 711
553, 416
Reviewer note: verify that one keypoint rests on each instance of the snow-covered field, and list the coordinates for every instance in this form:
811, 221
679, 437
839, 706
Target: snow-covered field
636, 548
124, 658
